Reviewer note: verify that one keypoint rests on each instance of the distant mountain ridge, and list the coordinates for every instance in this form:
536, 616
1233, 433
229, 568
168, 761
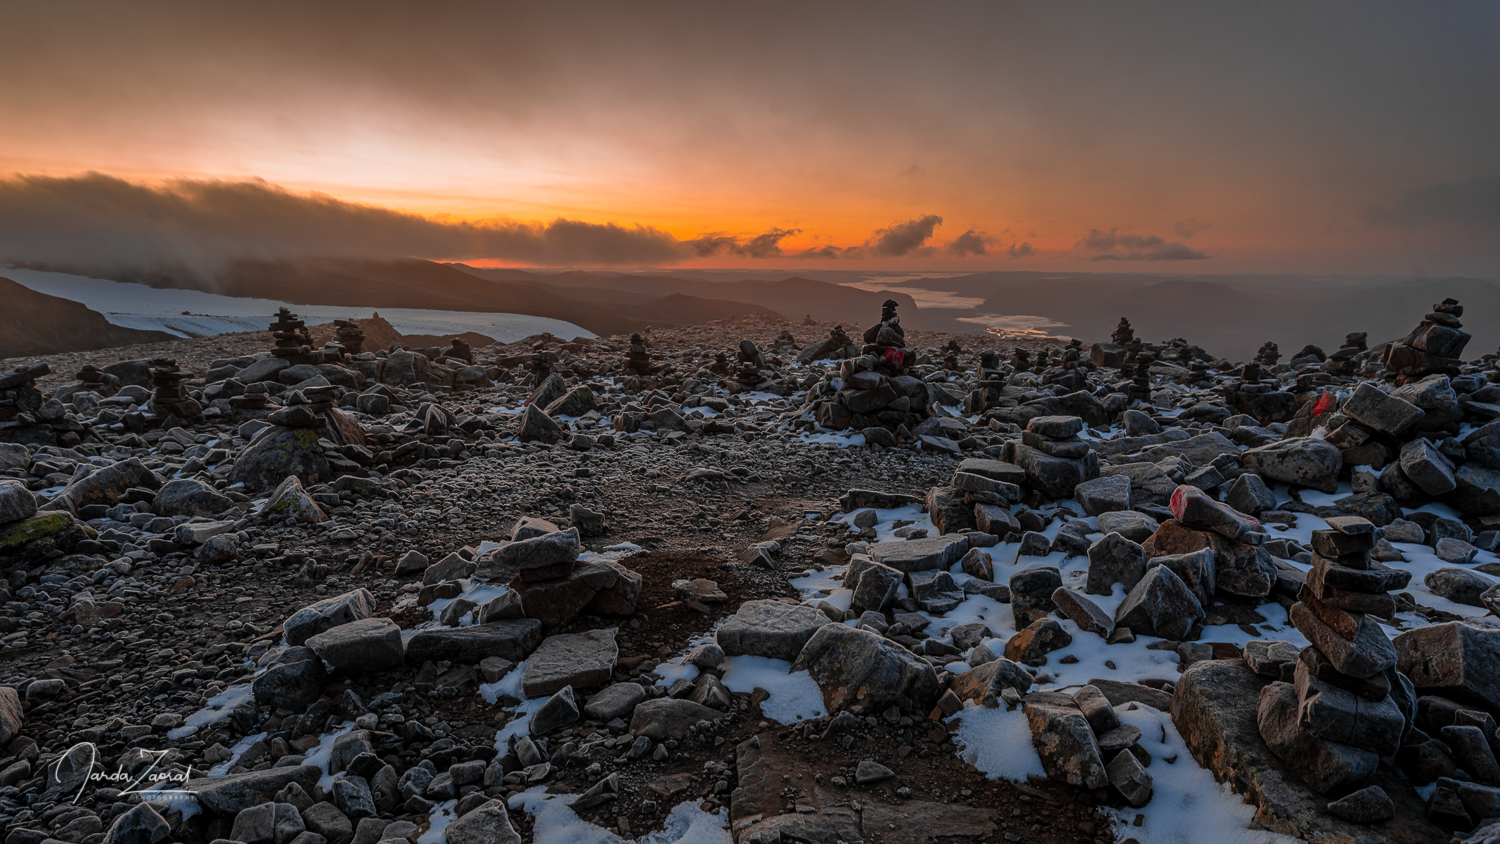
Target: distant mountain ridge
33, 323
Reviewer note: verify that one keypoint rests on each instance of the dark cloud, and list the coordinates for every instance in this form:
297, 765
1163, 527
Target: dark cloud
1473, 203
1192, 226
902, 239
102, 223
822, 252
765, 245
1021, 250
970, 243
1113, 246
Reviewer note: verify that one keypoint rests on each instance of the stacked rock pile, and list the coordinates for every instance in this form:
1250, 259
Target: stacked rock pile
293, 340
838, 346
1347, 706
349, 335
547, 580
169, 400
1053, 456
1432, 347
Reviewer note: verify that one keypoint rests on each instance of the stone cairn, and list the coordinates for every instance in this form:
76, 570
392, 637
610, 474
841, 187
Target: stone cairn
876, 389
1139, 371
293, 340
950, 355
350, 336
169, 399
255, 398
1347, 705
1268, 355
1343, 361
1052, 455
19, 395
547, 580
748, 377
784, 342
1020, 359
838, 346
637, 359
1124, 334
1432, 347
93, 379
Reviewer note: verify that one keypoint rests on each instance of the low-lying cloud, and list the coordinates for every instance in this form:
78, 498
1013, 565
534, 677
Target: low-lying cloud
100, 223
970, 243
907, 238
1110, 245
765, 245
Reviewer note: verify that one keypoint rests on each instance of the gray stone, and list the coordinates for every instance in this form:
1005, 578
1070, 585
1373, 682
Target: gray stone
1055, 427
1031, 645
1114, 559
1336, 714
1103, 495
12, 717
856, 666
328, 613
1062, 738
669, 718
1369, 805
17, 502
771, 629
1249, 494
142, 824
1301, 461
1454, 659
1384, 413
911, 555
617, 701
488, 823
451, 567
1134, 526
874, 585
869, 773
545, 554
189, 497
1428, 468
512, 640
366, 645
268, 823
934, 591
1089, 616
293, 680
326, 820
230, 794
278, 453
1461, 586
1031, 593
577, 660
1325, 766
1130, 778
1270, 658
984, 683
1160, 605
352, 797
1366, 655
560, 710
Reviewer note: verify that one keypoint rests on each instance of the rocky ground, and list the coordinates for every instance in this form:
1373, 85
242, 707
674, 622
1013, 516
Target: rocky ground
536, 597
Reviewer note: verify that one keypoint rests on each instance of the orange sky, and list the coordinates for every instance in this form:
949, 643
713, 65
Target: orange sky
1325, 138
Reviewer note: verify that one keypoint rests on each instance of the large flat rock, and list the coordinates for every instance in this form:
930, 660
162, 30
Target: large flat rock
909, 555
771, 629
580, 660
229, 794
511, 640
1215, 709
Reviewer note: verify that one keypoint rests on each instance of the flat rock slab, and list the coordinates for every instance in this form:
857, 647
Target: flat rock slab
510, 640
771, 629
229, 794
580, 660
911, 555
1215, 708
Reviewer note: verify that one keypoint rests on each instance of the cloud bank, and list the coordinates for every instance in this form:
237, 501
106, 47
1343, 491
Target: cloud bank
1110, 245
98, 222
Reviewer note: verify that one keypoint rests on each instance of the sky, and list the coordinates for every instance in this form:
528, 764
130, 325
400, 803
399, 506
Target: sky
1303, 137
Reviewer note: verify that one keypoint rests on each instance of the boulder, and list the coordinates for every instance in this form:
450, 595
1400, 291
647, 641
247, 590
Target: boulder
512, 640
292, 680
920, 554
230, 794
1031, 645
277, 453
578, 660
669, 718
983, 683
487, 823
12, 716
1114, 559
359, 647
1160, 605
1300, 461
856, 666
1454, 659
1381, 412
771, 629
290, 501
544, 557
1104, 495
1064, 741
328, 613
189, 497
